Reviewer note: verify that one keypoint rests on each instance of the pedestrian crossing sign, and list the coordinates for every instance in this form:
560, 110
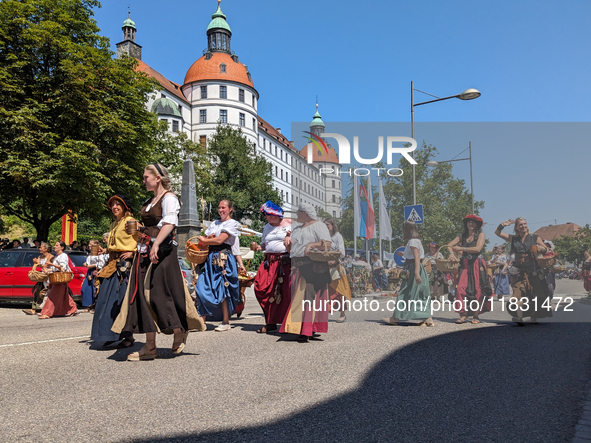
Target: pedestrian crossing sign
414, 213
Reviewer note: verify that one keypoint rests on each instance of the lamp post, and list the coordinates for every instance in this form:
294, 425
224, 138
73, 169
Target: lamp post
468, 94
435, 163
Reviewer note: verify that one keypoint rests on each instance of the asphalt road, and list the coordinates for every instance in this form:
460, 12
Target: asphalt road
364, 381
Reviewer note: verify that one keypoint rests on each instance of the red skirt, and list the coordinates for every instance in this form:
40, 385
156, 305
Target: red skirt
272, 287
58, 302
473, 290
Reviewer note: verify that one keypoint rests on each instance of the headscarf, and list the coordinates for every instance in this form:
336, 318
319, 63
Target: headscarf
270, 208
308, 209
123, 199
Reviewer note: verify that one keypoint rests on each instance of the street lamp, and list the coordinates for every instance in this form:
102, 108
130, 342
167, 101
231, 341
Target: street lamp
435, 163
468, 94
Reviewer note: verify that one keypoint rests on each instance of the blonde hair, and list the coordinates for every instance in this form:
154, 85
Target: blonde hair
517, 220
165, 177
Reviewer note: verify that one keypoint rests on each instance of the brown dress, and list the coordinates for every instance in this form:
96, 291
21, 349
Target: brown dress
157, 299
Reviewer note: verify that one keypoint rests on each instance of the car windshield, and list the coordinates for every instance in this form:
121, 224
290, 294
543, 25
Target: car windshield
8, 259
77, 259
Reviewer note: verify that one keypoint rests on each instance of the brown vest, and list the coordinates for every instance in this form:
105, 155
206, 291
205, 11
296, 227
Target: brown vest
151, 218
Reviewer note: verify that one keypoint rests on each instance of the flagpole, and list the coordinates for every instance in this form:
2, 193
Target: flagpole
356, 210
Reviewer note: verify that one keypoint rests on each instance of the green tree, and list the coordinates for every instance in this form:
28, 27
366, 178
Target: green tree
74, 127
572, 249
445, 199
239, 174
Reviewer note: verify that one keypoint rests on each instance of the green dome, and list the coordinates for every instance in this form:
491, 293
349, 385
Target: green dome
317, 119
165, 106
129, 23
219, 21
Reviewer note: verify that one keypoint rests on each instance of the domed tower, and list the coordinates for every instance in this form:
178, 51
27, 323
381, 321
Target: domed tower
219, 87
327, 162
168, 111
128, 46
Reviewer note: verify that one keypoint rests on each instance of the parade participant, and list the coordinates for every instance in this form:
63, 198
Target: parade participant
157, 299
586, 268
217, 286
531, 296
113, 276
473, 283
436, 278
58, 300
88, 288
415, 290
380, 279
272, 282
501, 275
549, 273
339, 286
309, 279
40, 289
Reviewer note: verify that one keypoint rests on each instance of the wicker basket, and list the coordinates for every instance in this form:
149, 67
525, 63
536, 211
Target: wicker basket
427, 264
395, 273
195, 256
546, 262
60, 277
559, 268
444, 265
37, 276
326, 255
246, 281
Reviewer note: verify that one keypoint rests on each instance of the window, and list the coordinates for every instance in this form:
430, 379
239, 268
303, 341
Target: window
282, 174
339, 185
287, 197
241, 95
286, 177
254, 125
242, 120
334, 213
202, 140
175, 126
281, 155
275, 151
297, 200
223, 92
334, 198
223, 116
203, 91
253, 100
333, 184
276, 171
203, 116
223, 68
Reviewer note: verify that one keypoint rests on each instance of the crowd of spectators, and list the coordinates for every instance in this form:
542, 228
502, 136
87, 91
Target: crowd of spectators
28, 243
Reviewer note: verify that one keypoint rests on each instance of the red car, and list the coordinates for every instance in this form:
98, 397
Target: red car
15, 265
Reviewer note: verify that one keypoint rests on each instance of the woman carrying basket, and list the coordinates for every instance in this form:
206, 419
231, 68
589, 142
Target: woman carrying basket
414, 298
272, 282
113, 277
339, 286
531, 295
157, 299
39, 291
58, 301
217, 286
473, 289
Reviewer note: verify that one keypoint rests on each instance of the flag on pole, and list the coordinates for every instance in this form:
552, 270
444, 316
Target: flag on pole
364, 215
371, 217
356, 208
385, 225
69, 228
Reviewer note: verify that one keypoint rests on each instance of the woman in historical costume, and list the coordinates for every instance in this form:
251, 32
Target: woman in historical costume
58, 300
473, 289
586, 268
437, 281
217, 286
157, 299
380, 279
272, 282
93, 263
114, 275
501, 274
309, 307
531, 296
339, 286
414, 298
39, 291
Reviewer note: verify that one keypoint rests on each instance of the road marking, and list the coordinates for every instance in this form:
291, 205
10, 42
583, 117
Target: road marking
43, 341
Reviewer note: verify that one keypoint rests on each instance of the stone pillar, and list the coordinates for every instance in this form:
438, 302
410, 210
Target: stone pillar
189, 224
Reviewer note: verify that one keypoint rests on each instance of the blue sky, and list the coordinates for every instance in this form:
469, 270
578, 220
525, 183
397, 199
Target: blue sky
529, 59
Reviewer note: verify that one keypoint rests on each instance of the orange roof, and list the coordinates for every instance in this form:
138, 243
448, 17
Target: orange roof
204, 69
172, 87
269, 129
557, 231
321, 157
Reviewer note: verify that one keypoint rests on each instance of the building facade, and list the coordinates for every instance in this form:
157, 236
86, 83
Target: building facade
218, 88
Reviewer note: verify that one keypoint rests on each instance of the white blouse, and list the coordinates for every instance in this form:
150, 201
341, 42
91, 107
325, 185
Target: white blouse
98, 260
63, 261
230, 227
170, 210
338, 244
415, 242
301, 237
272, 239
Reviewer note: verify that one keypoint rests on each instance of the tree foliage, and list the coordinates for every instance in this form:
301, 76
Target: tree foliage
239, 174
446, 200
572, 249
74, 127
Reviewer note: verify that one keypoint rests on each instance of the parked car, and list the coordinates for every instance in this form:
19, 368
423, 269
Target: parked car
187, 274
15, 265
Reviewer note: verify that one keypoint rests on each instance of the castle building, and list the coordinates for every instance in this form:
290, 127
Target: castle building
219, 88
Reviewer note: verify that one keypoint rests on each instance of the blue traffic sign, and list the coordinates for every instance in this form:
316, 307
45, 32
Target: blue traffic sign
414, 213
398, 259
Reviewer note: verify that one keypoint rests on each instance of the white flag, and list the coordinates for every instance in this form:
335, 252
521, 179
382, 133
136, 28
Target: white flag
356, 209
385, 225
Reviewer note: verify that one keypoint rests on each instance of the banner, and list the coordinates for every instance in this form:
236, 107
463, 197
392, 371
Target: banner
385, 225
69, 228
